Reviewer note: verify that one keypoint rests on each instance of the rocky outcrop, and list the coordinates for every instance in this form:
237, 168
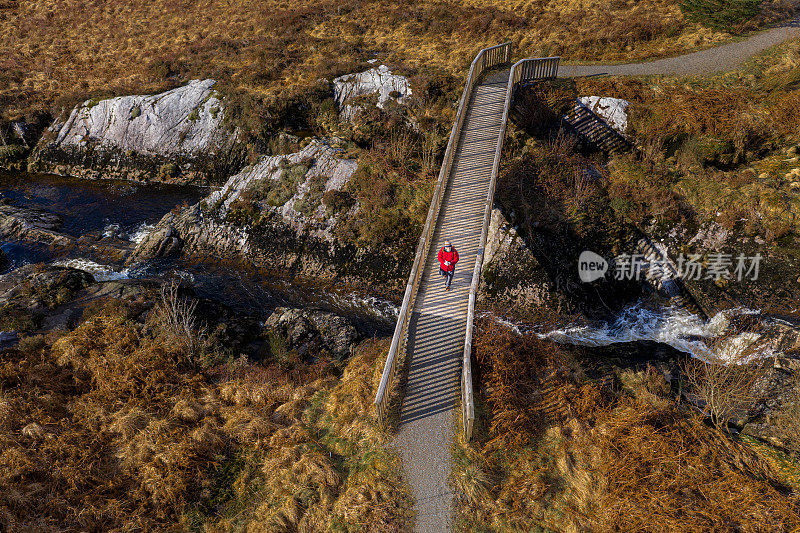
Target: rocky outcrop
177, 136
349, 88
32, 225
511, 273
280, 214
17, 137
614, 111
306, 331
36, 288
42, 227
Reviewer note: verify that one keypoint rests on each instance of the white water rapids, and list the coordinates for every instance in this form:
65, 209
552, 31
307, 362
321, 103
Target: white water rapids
671, 326
100, 272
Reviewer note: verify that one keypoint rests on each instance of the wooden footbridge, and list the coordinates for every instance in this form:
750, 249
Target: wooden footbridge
432, 342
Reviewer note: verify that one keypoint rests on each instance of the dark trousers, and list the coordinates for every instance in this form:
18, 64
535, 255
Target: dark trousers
448, 276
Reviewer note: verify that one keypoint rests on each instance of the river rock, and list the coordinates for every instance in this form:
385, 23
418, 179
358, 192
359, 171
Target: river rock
307, 330
176, 136
273, 215
613, 110
511, 273
378, 81
32, 225
38, 287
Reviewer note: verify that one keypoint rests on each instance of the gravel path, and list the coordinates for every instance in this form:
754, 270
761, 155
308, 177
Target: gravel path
438, 325
718, 59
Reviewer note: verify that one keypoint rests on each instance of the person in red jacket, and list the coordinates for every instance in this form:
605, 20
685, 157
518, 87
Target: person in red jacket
448, 257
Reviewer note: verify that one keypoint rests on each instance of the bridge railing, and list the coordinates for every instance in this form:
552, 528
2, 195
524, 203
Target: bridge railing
525, 70
486, 59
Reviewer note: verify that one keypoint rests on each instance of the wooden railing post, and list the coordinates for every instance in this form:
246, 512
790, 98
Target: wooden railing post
398, 344
524, 70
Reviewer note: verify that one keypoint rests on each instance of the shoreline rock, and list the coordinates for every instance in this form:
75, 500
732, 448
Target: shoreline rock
32, 225
274, 215
176, 136
307, 330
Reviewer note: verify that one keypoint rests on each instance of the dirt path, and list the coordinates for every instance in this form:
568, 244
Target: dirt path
718, 59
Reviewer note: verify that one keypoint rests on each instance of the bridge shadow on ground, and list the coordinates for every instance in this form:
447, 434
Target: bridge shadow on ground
436, 344
556, 196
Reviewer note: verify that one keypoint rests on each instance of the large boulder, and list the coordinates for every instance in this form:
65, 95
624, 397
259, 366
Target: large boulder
348, 89
614, 111
308, 331
176, 136
280, 214
32, 225
40, 287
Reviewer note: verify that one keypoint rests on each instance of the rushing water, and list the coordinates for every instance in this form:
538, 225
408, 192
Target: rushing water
112, 209
719, 337
109, 208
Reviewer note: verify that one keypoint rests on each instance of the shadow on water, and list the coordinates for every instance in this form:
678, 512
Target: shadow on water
89, 206
117, 213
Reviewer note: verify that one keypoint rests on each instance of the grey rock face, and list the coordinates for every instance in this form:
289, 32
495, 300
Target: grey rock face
322, 168
511, 272
286, 227
33, 225
378, 81
613, 110
307, 330
175, 136
38, 287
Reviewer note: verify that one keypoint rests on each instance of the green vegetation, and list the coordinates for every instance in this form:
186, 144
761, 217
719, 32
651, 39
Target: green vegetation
312, 198
337, 201
168, 171
11, 153
281, 190
93, 102
721, 14
14, 318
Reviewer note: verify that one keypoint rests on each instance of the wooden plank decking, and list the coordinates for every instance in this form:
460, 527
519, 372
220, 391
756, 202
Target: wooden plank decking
438, 324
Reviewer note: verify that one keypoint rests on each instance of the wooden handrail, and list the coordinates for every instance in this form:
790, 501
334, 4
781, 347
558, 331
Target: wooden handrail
486, 58
524, 70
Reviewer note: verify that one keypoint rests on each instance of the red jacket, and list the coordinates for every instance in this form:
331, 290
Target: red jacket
451, 256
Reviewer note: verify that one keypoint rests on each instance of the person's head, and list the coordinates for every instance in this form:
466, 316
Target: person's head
448, 246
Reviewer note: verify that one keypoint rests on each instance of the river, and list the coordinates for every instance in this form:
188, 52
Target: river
124, 212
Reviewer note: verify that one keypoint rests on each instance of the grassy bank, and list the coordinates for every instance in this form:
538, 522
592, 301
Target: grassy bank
563, 448
124, 423
59, 52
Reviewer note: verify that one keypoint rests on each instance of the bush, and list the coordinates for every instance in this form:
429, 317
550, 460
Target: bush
337, 201
720, 14
14, 318
11, 153
312, 198
109, 427
281, 190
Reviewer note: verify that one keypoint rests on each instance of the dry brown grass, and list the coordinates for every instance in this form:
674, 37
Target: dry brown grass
720, 148
564, 453
326, 466
111, 426
64, 50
